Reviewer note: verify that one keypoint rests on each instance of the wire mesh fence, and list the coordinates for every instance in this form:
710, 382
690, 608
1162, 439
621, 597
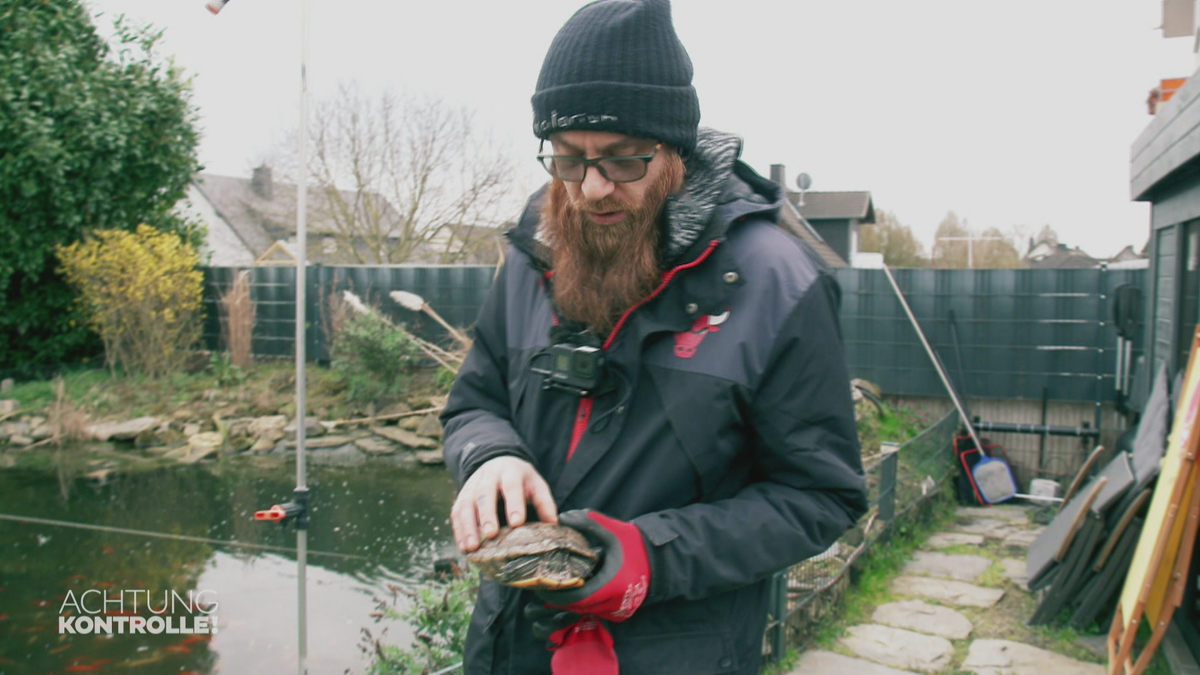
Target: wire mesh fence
898, 482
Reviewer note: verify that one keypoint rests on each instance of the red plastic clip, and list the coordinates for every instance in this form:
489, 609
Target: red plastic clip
274, 514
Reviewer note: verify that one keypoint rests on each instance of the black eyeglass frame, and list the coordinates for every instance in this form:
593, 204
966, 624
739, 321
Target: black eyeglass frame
547, 161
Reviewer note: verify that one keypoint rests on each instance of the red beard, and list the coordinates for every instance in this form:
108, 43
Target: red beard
600, 271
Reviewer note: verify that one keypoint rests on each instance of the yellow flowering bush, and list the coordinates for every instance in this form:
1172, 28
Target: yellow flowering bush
141, 291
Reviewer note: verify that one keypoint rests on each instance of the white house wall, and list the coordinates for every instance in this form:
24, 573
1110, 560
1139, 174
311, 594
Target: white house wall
226, 248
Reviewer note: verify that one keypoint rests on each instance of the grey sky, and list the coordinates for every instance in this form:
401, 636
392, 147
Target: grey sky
1011, 114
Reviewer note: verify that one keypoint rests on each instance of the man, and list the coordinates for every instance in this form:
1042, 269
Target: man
658, 365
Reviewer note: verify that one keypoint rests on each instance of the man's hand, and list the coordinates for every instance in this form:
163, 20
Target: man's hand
474, 513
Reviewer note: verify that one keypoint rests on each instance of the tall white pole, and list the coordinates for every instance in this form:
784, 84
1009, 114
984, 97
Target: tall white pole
301, 356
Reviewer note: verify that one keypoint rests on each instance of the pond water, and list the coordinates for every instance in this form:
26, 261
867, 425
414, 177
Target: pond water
383, 524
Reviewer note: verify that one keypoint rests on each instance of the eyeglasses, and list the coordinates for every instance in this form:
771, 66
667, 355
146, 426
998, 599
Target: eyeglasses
622, 169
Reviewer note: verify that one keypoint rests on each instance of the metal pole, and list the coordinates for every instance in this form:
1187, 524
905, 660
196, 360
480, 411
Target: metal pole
933, 357
301, 355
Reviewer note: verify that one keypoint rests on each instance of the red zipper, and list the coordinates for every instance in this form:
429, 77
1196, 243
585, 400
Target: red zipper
585, 405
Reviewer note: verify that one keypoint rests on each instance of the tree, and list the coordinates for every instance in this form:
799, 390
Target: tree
894, 240
990, 250
400, 176
91, 138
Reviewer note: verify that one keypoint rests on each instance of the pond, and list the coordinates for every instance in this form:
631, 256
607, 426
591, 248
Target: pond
372, 525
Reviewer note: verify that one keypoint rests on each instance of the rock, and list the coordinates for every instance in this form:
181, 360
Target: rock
944, 539
899, 648
13, 428
947, 566
205, 440
123, 431
430, 457
191, 429
147, 439
395, 409
181, 415
36, 421
345, 455
1005, 657
376, 446
922, 617
323, 442
41, 432
312, 427
404, 437
20, 440
260, 425
409, 423
7, 384
946, 591
8, 406
263, 445
430, 427
820, 662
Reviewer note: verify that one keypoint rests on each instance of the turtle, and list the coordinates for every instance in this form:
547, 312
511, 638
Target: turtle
536, 556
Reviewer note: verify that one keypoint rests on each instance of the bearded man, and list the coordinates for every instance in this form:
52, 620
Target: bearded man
658, 365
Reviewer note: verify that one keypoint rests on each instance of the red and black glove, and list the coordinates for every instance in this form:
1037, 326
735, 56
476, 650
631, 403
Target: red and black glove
619, 585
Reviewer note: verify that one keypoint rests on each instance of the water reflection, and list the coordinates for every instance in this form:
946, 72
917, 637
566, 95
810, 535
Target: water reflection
388, 523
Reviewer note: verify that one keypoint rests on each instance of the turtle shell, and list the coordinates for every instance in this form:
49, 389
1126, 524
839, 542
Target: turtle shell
537, 556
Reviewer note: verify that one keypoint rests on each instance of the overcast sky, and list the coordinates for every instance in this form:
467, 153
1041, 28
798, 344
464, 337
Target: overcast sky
1012, 114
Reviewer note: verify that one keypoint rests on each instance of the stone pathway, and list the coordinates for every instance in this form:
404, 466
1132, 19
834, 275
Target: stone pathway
924, 631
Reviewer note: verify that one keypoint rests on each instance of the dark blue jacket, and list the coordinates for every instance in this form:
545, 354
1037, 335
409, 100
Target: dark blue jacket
730, 440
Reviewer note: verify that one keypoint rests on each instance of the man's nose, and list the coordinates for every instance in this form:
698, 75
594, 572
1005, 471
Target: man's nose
595, 186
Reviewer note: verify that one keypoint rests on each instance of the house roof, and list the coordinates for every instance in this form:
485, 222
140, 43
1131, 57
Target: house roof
835, 205
1063, 257
789, 217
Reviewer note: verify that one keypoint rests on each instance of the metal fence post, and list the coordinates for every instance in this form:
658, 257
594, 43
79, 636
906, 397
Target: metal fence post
887, 488
779, 610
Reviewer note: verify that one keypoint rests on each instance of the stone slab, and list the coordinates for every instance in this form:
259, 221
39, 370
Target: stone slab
1005, 657
321, 442
946, 591
899, 648
991, 528
123, 431
944, 539
820, 662
922, 617
404, 437
1007, 512
376, 446
1015, 570
947, 565
1023, 538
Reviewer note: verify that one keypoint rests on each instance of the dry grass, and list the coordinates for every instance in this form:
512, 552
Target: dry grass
237, 320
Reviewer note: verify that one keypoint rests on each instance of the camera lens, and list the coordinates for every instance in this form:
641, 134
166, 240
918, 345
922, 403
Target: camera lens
584, 365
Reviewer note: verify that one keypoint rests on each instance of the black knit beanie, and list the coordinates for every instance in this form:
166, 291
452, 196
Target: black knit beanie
617, 65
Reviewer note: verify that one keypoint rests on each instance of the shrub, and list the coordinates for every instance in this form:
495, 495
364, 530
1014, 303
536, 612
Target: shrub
439, 616
141, 292
372, 356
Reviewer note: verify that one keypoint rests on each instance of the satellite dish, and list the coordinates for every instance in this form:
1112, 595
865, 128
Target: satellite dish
804, 181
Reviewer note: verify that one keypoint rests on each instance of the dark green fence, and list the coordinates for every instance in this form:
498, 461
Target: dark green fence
1020, 331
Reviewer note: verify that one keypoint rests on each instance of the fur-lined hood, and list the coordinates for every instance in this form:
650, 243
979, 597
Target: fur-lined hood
717, 190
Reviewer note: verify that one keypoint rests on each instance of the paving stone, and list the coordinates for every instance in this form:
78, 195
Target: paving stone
1007, 512
899, 648
944, 539
991, 528
1015, 570
1023, 538
819, 662
1004, 657
947, 565
922, 617
947, 591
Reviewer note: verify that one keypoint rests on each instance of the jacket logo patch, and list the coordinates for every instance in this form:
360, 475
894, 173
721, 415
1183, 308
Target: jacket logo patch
687, 341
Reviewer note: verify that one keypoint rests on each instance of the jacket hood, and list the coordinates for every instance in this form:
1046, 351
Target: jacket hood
717, 189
